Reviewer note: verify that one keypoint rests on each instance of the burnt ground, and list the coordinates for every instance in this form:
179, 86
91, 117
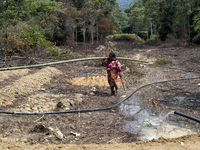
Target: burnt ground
168, 61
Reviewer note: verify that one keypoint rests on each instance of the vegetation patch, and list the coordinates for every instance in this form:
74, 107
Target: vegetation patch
127, 37
56, 51
160, 60
153, 39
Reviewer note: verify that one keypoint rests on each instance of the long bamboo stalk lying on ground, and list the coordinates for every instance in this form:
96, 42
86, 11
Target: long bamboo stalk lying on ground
66, 61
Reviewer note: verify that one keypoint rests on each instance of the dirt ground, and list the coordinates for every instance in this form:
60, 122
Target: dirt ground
83, 85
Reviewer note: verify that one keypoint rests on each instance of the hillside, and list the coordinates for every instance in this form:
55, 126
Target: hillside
123, 4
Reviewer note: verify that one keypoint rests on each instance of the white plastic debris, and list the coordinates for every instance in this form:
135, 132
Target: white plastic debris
75, 134
123, 96
181, 143
42, 89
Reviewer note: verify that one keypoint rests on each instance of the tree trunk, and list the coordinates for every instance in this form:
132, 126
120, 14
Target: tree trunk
73, 33
76, 34
97, 34
188, 29
92, 31
84, 32
151, 30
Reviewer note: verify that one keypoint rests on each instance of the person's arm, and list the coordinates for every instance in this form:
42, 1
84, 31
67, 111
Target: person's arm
107, 64
119, 69
104, 61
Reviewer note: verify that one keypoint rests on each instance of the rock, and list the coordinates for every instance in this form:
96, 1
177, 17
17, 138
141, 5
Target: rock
50, 129
72, 100
92, 93
56, 132
46, 141
127, 69
64, 104
94, 89
73, 127
76, 139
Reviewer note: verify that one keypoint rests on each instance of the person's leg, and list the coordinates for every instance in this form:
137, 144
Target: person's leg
112, 90
110, 81
116, 88
114, 77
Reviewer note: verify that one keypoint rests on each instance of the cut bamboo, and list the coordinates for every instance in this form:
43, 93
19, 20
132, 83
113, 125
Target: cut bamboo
66, 61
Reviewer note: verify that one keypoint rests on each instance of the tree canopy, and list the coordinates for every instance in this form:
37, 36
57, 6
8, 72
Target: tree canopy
61, 22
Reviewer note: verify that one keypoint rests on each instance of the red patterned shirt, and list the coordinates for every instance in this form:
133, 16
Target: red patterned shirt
115, 64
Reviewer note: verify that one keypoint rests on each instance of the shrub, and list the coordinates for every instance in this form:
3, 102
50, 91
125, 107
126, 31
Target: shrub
28, 40
12, 44
56, 51
34, 37
153, 39
162, 60
127, 37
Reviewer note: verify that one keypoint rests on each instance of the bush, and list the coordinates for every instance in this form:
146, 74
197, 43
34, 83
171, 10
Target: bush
28, 40
34, 37
153, 39
56, 51
15, 44
160, 60
127, 37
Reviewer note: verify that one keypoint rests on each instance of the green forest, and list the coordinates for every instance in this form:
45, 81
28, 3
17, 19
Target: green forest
29, 25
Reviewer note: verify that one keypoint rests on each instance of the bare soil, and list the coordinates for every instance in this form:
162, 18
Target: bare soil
83, 85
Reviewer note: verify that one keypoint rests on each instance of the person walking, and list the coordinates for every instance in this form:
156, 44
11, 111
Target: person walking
113, 67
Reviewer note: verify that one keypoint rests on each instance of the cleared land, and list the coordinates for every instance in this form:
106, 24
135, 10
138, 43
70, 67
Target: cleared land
63, 87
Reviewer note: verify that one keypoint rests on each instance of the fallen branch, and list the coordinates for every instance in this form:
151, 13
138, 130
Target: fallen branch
39, 119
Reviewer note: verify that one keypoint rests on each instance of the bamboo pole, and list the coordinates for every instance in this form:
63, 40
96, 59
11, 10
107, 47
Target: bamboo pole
66, 61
